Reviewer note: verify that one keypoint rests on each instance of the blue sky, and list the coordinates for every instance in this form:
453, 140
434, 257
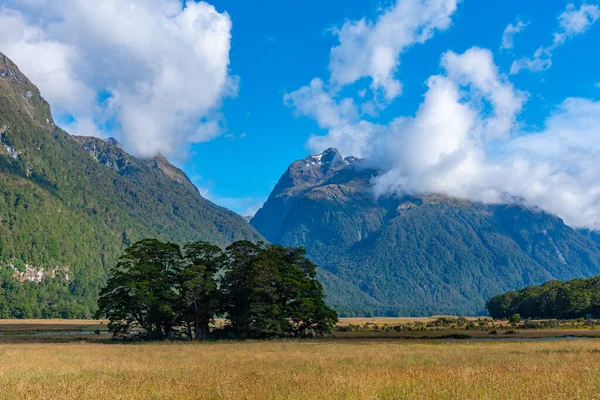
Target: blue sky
225, 122
277, 47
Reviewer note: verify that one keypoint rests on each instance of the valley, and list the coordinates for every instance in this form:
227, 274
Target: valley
211, 199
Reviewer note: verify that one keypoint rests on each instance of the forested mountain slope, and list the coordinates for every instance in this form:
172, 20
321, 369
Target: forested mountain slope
70, 205
414, 255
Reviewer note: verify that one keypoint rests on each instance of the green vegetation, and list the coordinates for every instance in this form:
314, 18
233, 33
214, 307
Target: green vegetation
577, 298
264, 291
70, 207
419, 255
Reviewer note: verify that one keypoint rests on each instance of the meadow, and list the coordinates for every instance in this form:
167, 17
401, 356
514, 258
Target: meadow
67, 360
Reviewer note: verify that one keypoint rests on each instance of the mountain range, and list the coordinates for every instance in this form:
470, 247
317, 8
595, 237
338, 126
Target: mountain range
70, 205
414, 255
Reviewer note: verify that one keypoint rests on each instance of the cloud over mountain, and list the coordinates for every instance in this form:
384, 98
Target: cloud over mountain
466, 140
152, 70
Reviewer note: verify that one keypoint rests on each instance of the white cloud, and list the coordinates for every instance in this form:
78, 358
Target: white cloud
372, 50
165, 69
509, 33
315, 101
576, 21
541, 61
476, 68
367, 49
49, 63
465, 141
572, 22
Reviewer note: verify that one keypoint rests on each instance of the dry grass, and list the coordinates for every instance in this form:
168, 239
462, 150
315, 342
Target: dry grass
352, 369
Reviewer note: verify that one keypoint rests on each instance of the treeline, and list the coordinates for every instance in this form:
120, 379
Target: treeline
555, 299
51, 298
159, 290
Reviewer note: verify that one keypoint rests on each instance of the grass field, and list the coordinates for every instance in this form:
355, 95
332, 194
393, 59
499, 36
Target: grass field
346, 369
43, 359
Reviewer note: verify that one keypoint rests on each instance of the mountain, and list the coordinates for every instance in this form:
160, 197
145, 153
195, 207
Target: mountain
70, 205
415, 255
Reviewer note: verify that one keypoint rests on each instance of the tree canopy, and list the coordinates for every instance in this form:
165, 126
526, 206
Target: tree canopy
555, 299
158, 290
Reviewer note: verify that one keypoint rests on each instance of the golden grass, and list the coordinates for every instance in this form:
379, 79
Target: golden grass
340, 369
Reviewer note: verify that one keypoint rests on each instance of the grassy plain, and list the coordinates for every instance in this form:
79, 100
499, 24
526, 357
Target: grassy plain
64, 359
315, 369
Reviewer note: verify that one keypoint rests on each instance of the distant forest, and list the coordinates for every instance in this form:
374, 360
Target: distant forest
576, 298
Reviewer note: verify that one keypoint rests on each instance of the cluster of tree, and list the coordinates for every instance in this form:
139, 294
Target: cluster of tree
159, 290
555, 299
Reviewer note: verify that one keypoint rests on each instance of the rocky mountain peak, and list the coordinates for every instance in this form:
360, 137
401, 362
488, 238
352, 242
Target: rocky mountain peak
18, 91
113, 142
110, 153
330, 156
311, 171
10, 71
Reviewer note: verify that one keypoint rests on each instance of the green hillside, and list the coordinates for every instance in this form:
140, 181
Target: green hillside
415, 255
71, 205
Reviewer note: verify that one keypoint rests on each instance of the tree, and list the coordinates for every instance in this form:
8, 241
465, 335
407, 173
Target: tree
199, 294
273, 292
239, 288
4, 310
140, 294
515, 319
265, 291
301, 293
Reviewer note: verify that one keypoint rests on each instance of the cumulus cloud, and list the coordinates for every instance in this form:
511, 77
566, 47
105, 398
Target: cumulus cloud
509, 33
476, 69
576, 21
372, 49
367, 49
315, 101
465, 141
555, 169
572, 22
161, 70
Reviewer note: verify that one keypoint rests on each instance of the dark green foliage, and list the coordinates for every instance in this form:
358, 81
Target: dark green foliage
199, 294
266, 291
515, 318
79, 202
418, 255
141, 292
273, 292
576, 298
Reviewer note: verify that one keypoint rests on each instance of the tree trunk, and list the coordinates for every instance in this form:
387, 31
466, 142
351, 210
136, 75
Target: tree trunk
202, 328
189, 330
198, 329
